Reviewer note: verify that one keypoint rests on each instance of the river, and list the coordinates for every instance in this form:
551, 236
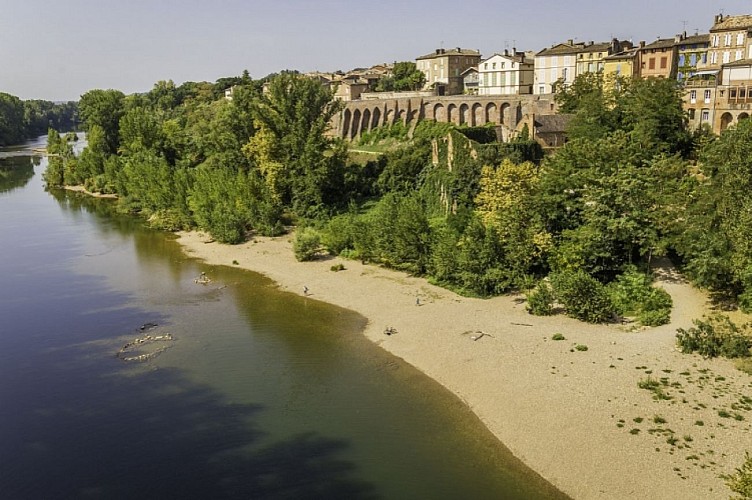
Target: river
262, 394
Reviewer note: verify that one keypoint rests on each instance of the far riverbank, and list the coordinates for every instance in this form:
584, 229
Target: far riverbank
576, 417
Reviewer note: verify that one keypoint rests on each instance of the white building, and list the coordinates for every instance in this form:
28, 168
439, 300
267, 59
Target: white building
506, 74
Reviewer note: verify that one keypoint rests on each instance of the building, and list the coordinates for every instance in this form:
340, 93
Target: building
350, 89
658, 59
700, 98
692, 55
444, 67
470, 80
555, 64
591, 57
620, 65
506, 74
730, 40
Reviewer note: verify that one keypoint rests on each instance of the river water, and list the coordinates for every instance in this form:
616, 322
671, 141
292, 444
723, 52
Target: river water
262, 394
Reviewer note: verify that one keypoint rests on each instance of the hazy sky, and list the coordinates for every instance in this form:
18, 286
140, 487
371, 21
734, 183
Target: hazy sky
57, 50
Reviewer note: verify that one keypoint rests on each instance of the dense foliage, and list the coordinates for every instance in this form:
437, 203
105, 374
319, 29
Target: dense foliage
446, 202
21, 120
716, 336
741, 481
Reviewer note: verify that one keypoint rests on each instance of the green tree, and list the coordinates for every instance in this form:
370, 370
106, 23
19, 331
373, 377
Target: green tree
104, 108
302, 165
12, 120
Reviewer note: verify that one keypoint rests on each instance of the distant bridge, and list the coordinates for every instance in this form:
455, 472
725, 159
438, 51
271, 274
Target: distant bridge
506, 112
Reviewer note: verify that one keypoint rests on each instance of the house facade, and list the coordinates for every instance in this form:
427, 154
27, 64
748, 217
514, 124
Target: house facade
554, 64
591, 58
730, 40
658, 59
692, 55
510, 73
620, 65
444, 67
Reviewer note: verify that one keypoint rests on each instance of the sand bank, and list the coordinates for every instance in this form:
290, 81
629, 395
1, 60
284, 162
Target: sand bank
577, 417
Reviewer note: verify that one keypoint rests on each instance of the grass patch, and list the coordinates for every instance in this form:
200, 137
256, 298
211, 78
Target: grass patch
558, 336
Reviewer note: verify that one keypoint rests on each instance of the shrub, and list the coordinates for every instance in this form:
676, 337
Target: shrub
633, 295
540, 301
716, 336
582, 296
581, 347
558, 336
307, 243
741, 481
337, 267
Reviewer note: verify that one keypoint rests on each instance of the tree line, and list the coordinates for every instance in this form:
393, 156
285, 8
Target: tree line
581, 225
21, 120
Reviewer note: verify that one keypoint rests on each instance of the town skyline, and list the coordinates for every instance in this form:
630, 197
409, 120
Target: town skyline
59, 51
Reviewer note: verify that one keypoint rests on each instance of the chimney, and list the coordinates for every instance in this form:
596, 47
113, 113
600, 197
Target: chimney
570, 42
506, 52
438, 51
718, 18
642, 44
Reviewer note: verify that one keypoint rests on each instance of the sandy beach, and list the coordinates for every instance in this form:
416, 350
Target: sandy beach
577, 417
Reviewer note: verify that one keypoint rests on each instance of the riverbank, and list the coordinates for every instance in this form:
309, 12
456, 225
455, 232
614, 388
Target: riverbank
575, 416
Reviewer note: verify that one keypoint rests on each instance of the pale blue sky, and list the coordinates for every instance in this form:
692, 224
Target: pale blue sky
57, 50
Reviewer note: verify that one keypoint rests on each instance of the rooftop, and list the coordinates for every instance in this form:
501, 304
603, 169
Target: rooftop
450, 52
726, 23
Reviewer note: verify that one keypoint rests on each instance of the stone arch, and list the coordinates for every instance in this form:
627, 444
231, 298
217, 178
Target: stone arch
355, 124
726, 120
504, 114
366, 126
376, 121
439, 113
414, 114
742, 116
346, 117
492, 115
401, 115
389, 117
465, 117
452, 114
479, 115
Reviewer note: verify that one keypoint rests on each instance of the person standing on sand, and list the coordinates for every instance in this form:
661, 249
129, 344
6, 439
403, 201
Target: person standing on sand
305, 290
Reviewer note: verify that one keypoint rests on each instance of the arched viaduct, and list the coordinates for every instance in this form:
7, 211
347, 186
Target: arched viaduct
358, 117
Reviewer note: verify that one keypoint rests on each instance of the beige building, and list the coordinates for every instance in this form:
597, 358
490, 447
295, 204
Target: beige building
730, 40
554, 64
444, 67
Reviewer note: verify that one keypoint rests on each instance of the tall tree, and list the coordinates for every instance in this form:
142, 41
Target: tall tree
104, 108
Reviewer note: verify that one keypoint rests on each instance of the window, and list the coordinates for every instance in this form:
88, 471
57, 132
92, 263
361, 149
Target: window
732, 94
651, 63
691, 113
664, 62
705, 115
681, 59
503, 64
742, 93
707, 96
493, 65
726, 57
541, 89
693, 96
714, 58
739, 55
705, 58
739, 39
716, 39
485, 65
727, 40
564, 74
750, 52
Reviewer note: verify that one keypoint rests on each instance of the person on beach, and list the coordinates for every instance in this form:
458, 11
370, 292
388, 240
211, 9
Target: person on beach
305, 290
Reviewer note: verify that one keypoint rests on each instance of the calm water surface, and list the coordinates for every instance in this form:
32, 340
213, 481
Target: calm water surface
263, 394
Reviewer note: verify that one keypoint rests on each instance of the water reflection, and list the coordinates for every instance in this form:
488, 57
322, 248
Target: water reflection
15, 172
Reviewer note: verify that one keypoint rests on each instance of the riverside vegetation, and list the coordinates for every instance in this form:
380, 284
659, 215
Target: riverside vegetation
575, 230
578, 228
